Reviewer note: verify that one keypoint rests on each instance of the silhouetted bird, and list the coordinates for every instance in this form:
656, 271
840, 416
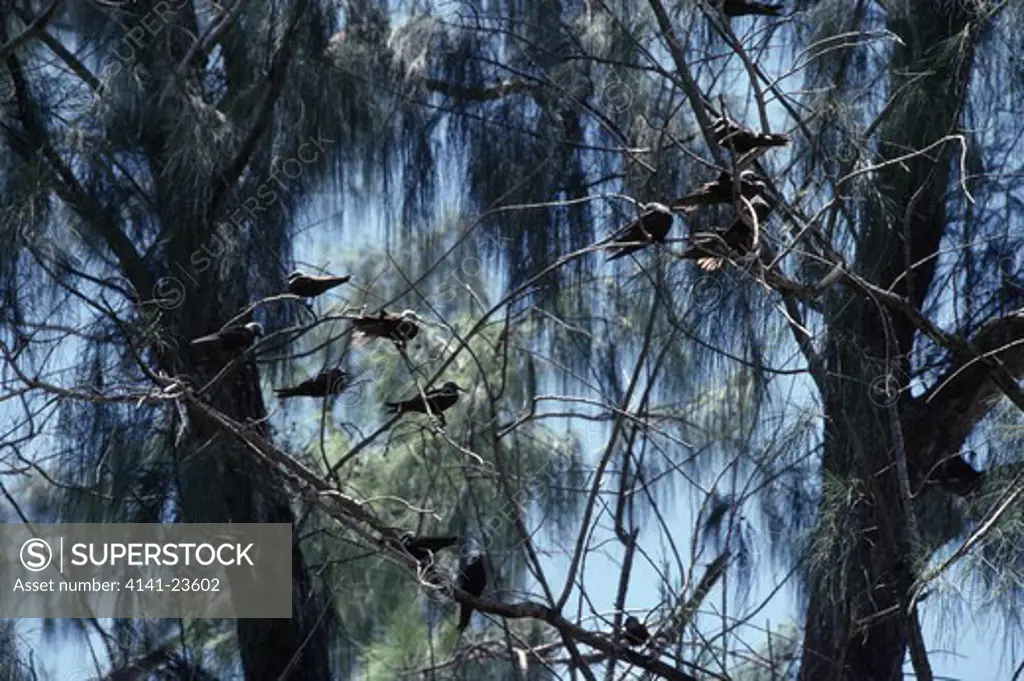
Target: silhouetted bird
710, 249
651, 227
231, 338
739, 8
636, 633
720, 190
308, 285
438, 399
326, 383
956, 475
472, 579
742, 139
399, 328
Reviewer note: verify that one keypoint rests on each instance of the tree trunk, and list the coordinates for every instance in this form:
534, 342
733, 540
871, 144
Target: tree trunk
217, 481
863, 557
222, 483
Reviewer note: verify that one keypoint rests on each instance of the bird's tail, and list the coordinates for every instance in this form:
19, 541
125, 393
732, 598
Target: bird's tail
465, 615
774, 140
286, 392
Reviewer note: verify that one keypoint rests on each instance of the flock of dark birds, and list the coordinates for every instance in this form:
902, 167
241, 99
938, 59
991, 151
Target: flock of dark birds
709, 249
398, 328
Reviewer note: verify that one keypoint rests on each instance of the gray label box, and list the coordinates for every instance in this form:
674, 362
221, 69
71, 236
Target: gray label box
202, 570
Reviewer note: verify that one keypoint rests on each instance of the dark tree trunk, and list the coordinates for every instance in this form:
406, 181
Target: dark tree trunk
864, 559
228, 486
218, 482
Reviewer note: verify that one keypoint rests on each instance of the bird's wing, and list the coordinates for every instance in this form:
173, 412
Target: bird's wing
628, 232
212, 338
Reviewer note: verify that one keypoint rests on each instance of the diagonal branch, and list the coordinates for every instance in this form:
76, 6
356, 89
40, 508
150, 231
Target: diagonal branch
67, 186
689, 85
356, 516
30, 31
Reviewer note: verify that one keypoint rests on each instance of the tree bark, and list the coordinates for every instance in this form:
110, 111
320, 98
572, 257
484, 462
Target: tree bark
864, 558
223, 483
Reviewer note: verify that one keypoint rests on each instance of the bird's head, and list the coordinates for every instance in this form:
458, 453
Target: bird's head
470, 556
256, 328
758, 183
452, 387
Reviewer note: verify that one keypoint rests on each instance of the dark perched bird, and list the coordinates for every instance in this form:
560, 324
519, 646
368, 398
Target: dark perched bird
421, 548
710, 249
742, 139
399, 328
472, 579
636, 633
232, 338
720, 190
651, 227
308, 285
956, 475
739, 8
326, 383
438, 399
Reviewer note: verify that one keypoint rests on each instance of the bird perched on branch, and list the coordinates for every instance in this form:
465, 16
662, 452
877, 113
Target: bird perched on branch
308, 285
635, 632
473, 580
651, 227
739, 8
231, 338
437, 399
710, 249
720, 190
326, 383
400, 328
742, 139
